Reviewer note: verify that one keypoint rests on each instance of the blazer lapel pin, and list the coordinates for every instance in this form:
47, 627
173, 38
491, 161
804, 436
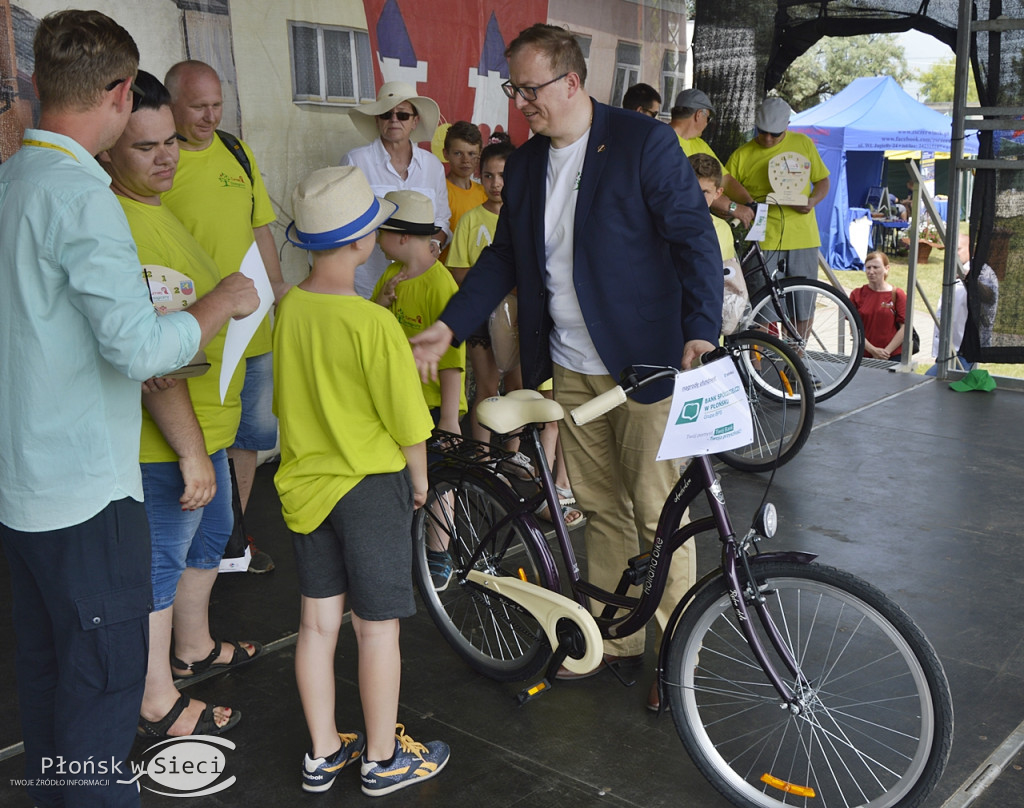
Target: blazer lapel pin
600, 148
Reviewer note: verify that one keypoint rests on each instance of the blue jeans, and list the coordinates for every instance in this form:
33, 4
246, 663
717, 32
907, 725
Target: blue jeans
184, 538
258, 428
81, 602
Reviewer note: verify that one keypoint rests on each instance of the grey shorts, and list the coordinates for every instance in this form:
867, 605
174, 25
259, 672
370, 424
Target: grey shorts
363, 550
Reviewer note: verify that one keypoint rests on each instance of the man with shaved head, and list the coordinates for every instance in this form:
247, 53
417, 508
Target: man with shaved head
219, 196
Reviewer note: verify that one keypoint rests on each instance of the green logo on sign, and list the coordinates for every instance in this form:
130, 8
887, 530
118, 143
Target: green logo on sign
724, 430
690, 411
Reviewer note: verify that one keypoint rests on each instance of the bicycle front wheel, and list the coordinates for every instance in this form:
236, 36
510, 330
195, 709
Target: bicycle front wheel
875, 718
820, 323
781, 401
465, 513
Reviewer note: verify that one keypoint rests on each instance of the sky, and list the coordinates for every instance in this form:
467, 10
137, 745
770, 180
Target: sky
922, 51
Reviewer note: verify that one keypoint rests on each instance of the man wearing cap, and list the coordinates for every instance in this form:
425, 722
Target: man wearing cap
395, 123
222, 201
792, 232
691, 114
607, 237
80, 334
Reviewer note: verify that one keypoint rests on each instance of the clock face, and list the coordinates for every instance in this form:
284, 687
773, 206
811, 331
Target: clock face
789, 174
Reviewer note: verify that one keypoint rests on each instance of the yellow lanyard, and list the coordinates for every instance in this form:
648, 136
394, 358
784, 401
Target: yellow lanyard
43, 145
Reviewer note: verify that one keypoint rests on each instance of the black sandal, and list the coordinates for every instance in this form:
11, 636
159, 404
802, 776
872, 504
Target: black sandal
239, 657
205, 725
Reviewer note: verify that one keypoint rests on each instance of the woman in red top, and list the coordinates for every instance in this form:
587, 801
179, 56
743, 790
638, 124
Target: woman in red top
882, 308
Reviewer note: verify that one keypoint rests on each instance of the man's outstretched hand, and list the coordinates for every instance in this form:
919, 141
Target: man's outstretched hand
428, 347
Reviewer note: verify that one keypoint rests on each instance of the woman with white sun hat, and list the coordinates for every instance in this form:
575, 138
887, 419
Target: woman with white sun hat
394, 124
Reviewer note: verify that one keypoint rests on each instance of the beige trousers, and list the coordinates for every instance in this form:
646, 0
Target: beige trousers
621, 488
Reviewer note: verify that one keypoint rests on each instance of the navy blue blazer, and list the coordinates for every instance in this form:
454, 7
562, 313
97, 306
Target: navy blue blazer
646, 262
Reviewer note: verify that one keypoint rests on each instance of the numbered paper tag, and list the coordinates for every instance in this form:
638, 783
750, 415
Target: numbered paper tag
709, 414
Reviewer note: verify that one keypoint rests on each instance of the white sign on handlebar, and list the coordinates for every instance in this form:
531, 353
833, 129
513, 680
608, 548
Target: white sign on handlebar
710, 412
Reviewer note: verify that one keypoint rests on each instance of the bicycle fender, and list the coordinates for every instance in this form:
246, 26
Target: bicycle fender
795, 556
548, 608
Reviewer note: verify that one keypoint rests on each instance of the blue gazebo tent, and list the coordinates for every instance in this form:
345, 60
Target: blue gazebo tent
853, 130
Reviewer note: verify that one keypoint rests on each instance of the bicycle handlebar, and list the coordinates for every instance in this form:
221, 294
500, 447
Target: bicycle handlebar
610, 399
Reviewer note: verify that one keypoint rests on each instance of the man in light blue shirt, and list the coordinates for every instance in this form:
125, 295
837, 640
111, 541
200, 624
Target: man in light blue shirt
78, 334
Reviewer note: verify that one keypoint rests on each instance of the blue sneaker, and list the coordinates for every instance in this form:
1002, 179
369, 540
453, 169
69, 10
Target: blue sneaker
413, 763
318, 774
440, 565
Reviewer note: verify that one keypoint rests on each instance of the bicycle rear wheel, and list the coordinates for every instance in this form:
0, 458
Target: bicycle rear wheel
833, 342
876, 718
781, 401
467, 511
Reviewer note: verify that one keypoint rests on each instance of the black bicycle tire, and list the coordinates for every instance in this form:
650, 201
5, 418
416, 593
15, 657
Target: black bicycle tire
454, 609
754, 457
695, 651
762, 298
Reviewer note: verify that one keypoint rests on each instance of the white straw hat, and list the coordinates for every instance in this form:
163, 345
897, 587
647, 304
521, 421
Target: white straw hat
390, 96
333, 207
414, 213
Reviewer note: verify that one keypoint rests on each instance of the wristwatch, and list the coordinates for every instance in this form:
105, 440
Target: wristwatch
732, 207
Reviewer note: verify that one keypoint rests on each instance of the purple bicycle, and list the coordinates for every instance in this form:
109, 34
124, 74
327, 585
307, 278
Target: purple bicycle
790, 682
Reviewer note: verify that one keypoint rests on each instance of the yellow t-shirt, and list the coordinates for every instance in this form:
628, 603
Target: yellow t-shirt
475, 231
161, 239
787, 229
461, 201
418, 303
725, 237
696, 145
218, 205
347, 397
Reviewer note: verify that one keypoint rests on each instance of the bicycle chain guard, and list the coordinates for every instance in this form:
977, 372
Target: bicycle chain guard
547, 608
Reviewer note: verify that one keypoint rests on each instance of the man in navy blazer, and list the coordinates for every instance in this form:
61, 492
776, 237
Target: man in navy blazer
607, 238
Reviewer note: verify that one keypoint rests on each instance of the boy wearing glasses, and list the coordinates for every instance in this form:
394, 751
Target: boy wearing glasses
393, 125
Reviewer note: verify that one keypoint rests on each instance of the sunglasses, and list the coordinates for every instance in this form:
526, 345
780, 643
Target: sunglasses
402, 116
115, 82
652, 112
771, 134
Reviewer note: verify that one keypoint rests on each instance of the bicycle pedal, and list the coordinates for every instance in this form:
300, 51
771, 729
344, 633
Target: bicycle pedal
533, 692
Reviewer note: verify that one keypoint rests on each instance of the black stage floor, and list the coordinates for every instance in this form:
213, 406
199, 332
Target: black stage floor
903, 482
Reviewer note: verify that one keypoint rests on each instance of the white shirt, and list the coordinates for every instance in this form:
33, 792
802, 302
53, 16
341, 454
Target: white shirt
425, 174
571, 345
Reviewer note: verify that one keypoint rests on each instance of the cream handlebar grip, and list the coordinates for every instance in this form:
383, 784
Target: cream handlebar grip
588, 411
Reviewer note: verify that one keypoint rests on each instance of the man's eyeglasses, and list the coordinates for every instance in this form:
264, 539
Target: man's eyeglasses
402, 116
652, 112
527, 93
707, 115
775, 135
115, 82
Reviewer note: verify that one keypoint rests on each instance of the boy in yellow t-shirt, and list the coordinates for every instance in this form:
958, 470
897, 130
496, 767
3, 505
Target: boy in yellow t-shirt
416, 287
462, 145
353, 467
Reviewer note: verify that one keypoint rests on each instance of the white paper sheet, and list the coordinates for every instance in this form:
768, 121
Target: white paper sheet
760, 224
240, 332
710, 412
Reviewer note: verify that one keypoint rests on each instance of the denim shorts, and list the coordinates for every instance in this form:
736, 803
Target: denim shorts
363, 550
257, 431
184, 538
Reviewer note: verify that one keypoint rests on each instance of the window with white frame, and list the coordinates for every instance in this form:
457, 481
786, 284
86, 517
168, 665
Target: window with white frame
584, 42
627, 71
673, 67
330, 65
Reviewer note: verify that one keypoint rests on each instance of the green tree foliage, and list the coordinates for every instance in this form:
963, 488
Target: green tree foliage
833, 62
937, 83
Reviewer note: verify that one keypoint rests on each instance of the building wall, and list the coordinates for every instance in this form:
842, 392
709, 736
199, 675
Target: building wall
288, 139
608, 22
